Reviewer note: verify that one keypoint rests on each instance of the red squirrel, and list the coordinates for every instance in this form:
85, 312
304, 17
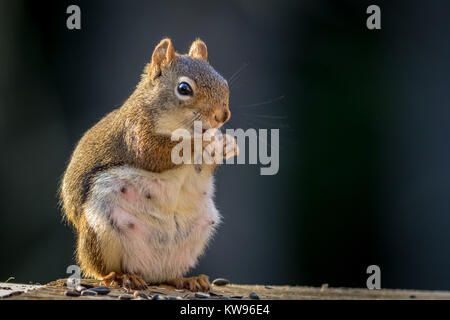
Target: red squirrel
139, 217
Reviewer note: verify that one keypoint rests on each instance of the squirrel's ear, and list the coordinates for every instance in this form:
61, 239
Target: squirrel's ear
198, 50
164, 53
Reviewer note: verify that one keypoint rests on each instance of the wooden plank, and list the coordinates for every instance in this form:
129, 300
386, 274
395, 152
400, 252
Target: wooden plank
11, 289
57, 290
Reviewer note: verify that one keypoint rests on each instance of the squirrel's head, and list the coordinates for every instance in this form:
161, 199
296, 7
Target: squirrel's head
185, 89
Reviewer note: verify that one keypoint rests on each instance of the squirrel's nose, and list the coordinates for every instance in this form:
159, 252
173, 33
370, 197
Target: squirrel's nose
222, 116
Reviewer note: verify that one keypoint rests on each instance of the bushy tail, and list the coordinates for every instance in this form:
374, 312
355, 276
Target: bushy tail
68, 209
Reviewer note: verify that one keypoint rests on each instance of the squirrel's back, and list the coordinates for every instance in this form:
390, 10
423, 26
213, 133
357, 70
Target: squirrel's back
96, 151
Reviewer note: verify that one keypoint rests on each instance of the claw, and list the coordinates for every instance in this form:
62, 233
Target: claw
128, 281
199, 283
112, 278
222, 147
133, 282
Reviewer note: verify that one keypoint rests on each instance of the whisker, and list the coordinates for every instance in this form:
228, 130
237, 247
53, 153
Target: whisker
264, 116
269, 145
236, 74
260, 103
197, 117
236, 123
261, 124
186, 123
244, 123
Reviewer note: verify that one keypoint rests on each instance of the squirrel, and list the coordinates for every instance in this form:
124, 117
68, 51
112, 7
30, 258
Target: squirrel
140, 218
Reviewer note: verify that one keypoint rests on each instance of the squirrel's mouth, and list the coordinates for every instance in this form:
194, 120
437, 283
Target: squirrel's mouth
205, 126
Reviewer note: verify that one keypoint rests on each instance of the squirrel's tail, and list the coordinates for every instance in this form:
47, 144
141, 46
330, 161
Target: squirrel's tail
68, 209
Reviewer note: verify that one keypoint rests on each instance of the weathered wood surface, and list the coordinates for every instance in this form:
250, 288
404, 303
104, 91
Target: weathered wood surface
9, 289
57, 290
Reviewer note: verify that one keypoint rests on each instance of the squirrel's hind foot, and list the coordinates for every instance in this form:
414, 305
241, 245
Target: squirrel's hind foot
128, 281
199, 283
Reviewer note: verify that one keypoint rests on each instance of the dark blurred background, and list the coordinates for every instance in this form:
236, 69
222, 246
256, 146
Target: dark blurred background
364, 131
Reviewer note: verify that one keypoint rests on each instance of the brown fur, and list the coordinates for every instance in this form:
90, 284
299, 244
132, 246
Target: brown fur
131, 135
89, 251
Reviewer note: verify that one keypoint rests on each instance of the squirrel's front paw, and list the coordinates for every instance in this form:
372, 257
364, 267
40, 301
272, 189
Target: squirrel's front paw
231, 147
222, 146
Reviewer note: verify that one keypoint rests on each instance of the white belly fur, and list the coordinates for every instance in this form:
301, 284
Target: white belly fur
158, 225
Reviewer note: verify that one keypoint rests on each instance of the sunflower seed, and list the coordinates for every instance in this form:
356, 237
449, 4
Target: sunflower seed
70, 293
101, 290
220, 282
88, 293
253, 296
201, 295
157, 292
80, 288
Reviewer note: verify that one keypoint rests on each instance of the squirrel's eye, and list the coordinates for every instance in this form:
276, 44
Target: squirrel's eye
184, 89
